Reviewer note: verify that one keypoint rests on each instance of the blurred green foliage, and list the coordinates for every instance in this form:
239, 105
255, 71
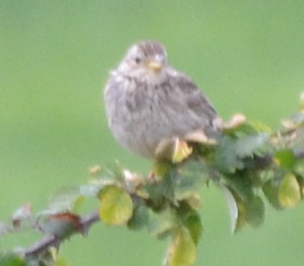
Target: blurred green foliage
54, 59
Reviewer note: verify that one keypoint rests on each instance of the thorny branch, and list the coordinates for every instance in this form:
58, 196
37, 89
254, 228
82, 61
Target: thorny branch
88, 220
52, 241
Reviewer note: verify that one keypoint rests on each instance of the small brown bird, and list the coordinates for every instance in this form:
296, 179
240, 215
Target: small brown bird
147, 101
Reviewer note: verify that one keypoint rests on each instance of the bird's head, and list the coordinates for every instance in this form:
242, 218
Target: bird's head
145, 61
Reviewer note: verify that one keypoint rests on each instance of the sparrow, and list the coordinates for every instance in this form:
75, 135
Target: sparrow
147, 101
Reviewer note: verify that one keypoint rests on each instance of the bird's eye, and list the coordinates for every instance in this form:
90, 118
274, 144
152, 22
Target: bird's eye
137, 60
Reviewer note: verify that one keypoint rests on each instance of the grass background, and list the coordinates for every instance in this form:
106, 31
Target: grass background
54, 60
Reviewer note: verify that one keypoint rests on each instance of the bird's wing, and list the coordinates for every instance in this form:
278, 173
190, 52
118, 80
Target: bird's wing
196, 100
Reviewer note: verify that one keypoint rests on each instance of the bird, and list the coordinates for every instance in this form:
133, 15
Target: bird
147, 101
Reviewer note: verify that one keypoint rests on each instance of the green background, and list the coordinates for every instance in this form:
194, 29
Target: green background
54, 60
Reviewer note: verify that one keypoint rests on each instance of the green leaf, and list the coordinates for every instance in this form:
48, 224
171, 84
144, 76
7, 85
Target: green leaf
159, 191
249, 210
237, 209
189, 179
289, 191
244, 206
285, 158
182, 251
283, 191
61, 262
139, 218
190, 218
11, 259
299, 168
161, 169
226, 158
241, 185
271, 191
116, 206
248, 145
162, 223
194, 225
255, 212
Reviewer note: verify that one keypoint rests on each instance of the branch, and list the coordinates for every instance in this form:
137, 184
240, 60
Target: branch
246, 161
52, 241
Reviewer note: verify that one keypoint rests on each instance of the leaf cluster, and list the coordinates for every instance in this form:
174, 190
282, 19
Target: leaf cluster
248, 162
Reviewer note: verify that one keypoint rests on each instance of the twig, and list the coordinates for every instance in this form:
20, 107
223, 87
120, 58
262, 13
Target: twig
52, 241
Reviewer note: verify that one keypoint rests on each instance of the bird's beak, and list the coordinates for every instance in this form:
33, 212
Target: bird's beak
155, 66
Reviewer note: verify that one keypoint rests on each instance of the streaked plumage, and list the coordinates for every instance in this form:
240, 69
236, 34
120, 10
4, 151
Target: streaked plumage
147, 101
